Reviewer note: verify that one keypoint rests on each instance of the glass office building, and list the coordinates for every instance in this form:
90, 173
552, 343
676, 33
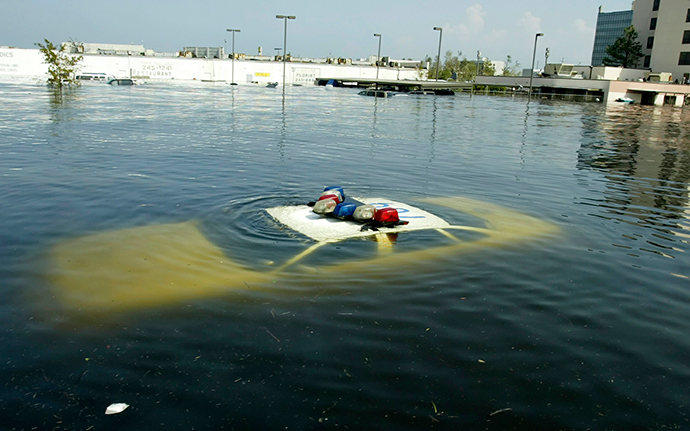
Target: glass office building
610, 26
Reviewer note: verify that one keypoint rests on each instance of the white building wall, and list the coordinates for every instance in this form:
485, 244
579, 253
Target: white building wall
21, 62
610, 73
668, 35
642, 16
668, 41
29, 63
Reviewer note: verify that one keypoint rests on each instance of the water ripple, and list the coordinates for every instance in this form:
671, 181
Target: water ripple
585, 330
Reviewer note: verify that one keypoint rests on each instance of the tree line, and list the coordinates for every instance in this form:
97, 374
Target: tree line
626, 51
452, 67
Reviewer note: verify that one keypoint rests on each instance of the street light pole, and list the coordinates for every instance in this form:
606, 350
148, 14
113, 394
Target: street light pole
378, 56
438, 58
284, 18
479, 56
233, 53
531, 75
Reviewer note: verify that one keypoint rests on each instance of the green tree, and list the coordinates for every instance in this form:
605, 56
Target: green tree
61, 65
451, 65
468, 69
463, 69
487, 68
511, 69
421, 68
432, 69
626, 51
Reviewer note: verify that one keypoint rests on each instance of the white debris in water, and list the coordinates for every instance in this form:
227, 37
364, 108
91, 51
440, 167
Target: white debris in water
116, 408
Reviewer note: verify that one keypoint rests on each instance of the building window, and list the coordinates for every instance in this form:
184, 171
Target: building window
684, 59
656, 5
650, 41
652, 24
647, 60
687, 17
686, 36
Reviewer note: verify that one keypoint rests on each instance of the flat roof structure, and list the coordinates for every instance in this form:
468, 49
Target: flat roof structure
401, 84
606, 91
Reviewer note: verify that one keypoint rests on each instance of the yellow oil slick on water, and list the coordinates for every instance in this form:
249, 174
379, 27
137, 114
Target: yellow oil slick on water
172, 263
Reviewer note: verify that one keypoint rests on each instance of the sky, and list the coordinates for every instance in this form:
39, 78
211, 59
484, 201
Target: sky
345, 28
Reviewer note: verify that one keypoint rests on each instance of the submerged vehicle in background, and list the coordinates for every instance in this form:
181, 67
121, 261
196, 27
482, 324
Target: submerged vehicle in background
377, 93
88, 76
122, 81
626, 100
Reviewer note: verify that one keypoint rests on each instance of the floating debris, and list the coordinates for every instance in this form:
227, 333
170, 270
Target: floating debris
500, 411
116, 408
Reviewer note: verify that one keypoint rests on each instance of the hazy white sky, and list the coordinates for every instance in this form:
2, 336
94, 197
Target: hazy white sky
322, 28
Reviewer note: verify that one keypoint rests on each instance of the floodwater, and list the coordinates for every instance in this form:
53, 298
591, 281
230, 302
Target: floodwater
584, 328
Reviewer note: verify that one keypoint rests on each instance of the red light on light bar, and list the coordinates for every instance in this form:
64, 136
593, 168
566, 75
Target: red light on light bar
330, 196
386, 216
